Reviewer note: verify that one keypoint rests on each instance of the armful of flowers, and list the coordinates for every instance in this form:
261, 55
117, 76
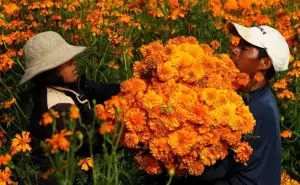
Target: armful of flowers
180, 110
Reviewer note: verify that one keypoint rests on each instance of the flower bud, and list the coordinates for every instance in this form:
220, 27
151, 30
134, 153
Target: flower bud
79, 135
118, 110
172, 172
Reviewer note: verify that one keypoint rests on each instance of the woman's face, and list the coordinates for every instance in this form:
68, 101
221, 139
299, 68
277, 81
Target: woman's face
68, 71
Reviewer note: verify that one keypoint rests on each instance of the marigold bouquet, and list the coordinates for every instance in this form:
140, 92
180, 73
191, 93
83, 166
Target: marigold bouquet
181, 110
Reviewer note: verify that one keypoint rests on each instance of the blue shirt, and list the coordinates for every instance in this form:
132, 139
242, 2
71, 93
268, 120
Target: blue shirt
264, 165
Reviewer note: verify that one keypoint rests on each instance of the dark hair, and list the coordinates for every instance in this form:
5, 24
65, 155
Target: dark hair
262, 53
48, 78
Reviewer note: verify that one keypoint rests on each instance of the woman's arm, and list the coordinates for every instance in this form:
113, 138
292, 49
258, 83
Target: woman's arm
99, 91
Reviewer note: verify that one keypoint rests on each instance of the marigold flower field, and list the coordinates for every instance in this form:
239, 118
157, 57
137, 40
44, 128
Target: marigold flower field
171, 59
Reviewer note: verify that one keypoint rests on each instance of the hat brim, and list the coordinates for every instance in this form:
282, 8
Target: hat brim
55, 59
248, 34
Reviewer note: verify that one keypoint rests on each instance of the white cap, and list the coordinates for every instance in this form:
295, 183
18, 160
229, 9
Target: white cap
268, 38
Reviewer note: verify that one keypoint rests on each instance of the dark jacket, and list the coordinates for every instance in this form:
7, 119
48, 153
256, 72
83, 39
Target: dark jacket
61, 99
264, 165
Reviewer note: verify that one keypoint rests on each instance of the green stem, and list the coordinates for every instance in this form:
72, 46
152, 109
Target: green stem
170, 179
16, 103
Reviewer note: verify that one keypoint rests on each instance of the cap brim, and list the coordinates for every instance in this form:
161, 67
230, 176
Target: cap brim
61, 56
248, 34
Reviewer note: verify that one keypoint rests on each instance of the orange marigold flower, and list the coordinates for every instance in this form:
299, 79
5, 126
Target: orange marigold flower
181, 141
263, 20
207, 156
193, 73
86, 163
286, 134
247, 122
5, 177
6, 62
46, 174
115, 102
231, 5
246, 4
286, 94
133, 86
148, 163
113, 65
74, 112
2, 138
100, 112
196, 168
287, 180
281, 84
47, 4
243, 79
131, 140
258, 77
135, 119
296, 63
10, 8
243, 152
4, 159
11, 53
294, 72
13, 150
22, 142
166, 71
56, 18
225, 114
152, 99
161, 150
7, 104
20, 52
107, 127
208, 50
215, 44
235, 40
47, 117
209, 96
59, 141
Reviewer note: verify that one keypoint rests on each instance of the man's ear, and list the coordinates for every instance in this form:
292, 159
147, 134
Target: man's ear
265, 63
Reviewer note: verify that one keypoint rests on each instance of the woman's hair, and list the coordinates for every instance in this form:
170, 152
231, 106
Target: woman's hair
48, 78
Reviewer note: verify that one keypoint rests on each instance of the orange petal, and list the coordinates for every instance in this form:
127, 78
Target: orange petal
85, 167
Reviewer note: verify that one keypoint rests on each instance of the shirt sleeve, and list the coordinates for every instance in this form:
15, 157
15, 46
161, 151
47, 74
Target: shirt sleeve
99, 91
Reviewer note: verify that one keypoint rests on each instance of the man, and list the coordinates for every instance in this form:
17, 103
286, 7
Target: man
261, 49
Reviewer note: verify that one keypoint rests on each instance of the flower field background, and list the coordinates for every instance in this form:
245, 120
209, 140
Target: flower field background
114, 31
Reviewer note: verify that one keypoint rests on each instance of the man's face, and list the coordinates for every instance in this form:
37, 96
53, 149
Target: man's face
245, 57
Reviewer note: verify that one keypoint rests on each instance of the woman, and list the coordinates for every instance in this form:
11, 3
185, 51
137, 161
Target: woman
50, 65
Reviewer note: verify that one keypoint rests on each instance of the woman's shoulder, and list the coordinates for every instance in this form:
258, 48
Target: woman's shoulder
46, 97
55, 97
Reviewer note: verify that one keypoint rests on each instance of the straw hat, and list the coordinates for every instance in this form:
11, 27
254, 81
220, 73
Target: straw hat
46, 51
